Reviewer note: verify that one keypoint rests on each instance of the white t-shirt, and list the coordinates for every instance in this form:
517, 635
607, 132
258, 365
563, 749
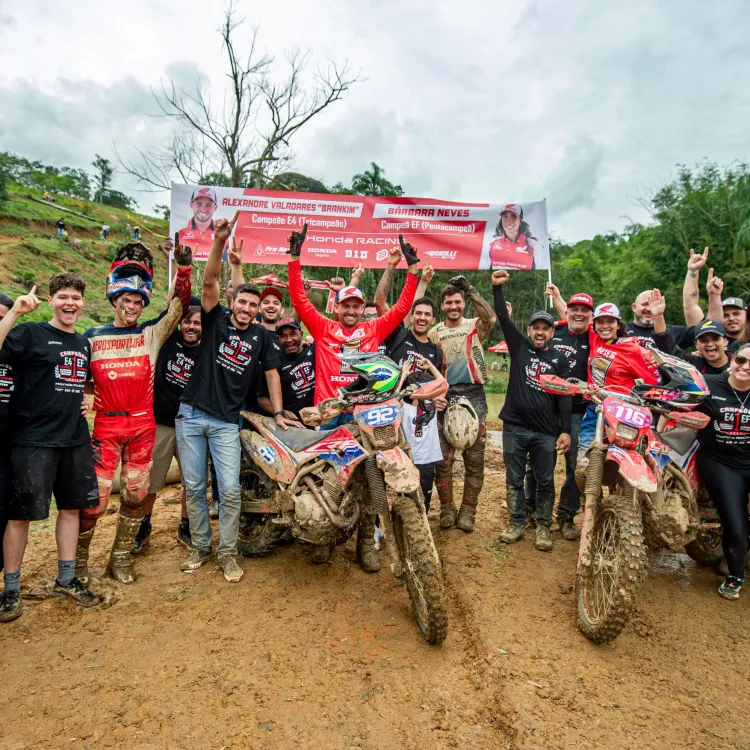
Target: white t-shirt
426, 448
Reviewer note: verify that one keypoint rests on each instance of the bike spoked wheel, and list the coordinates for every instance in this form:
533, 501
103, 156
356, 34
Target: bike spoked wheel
421, 568
606, 590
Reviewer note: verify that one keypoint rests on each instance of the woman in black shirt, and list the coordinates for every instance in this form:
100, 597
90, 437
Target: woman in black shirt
724, 462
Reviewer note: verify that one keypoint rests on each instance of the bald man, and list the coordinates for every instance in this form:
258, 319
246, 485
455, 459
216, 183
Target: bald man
642, 325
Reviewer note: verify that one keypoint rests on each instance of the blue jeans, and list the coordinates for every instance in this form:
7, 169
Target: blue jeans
588, 428
570, 495
338, 421
197, 432
519, 444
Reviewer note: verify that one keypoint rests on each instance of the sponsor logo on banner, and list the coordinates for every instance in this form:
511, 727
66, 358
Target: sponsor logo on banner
322, 251
381, 255
442, 254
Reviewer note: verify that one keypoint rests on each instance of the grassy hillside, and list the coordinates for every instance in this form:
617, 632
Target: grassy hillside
30, 253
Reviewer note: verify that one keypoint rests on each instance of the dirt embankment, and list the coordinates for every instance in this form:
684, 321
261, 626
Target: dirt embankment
299, 656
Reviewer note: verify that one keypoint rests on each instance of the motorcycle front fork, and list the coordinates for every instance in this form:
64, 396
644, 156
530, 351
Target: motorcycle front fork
592, 491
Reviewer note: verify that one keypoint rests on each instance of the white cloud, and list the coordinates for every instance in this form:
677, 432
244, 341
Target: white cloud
582, 103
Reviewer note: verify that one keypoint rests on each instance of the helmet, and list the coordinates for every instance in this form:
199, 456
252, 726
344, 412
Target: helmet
461, 423
132, 270
682, 386
377, 378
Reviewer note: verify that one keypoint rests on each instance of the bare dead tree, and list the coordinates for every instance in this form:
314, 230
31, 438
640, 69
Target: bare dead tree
248, 136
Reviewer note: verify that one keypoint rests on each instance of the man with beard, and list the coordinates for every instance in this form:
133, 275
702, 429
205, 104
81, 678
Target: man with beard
536, 424
208, 418
571, 338
296, 371
461, 340
174, 366
199, 232
271, 308
642, 325
123, 358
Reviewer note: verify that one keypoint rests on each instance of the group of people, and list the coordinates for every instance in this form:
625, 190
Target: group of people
174, 387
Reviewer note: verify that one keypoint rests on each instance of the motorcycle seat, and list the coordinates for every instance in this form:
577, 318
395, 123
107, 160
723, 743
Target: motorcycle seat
295, 438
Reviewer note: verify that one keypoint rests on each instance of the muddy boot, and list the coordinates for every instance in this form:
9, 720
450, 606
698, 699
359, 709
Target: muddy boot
82, 555
143, 535
367, 556
568, 529
512, 534
543, 539
320, 553
120, 559
465, 520
447, 515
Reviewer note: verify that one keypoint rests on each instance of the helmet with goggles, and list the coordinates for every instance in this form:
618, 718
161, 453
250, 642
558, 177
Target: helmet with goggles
377, 378
682, 386
131, 271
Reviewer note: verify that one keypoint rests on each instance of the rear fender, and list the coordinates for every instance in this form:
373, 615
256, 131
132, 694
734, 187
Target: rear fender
398, 470
633, 469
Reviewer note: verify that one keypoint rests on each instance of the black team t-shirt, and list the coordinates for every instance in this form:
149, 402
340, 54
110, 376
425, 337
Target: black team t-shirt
526, 404
402, 345
575, 347
6, 391
50, 368
726, 438
665, 342
223, 373
174, 366
297, 375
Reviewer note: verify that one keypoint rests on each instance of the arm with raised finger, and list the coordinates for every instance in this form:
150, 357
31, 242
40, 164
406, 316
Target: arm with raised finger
691, 304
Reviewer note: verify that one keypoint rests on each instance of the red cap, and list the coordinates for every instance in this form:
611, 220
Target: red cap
271, 290
513, 208
582, 299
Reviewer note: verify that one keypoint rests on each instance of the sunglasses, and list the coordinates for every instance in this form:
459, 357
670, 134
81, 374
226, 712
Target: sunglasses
741, 360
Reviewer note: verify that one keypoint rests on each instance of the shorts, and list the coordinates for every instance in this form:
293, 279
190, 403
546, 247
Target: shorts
165, 449
38, 473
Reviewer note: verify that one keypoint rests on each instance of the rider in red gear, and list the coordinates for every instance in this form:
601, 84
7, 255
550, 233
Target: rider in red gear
123, 357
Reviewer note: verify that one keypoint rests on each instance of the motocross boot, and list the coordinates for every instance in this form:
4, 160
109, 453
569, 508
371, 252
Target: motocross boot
120, 559
465, 520
82, 555
447, 515
367, 555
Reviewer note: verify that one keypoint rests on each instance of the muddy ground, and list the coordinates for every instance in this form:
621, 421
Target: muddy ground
298, 656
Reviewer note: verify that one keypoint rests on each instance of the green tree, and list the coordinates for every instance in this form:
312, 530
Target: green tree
296, 182
164, 211
102, 177
373, 182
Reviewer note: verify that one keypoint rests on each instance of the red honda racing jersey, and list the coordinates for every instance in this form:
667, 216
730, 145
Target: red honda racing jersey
123, 359
332, 338
617, 365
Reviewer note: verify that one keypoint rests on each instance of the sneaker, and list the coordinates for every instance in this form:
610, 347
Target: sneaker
197, 558
730, 589
142, 536
183, 533
543, 539
213, 511
465, 520
447, 515
76, 591
569, 529
232, 572
10, 606
512, 534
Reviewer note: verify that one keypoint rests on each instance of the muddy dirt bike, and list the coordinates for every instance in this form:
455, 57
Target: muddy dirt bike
315, 484
649, 500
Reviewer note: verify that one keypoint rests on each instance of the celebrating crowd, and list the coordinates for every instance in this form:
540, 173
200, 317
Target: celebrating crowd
174, 387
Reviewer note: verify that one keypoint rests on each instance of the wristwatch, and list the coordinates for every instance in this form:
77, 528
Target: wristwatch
276, 413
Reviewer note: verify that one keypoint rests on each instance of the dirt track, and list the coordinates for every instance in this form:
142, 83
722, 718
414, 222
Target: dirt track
298, 656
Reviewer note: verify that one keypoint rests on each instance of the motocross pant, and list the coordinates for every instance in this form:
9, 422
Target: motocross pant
130, 438
473, 455
728, 489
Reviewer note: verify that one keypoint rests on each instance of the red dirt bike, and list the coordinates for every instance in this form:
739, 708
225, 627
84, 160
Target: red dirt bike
315, 484
649, 500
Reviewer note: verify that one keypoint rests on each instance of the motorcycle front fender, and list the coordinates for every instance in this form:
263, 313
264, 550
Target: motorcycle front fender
398, 470
633, 468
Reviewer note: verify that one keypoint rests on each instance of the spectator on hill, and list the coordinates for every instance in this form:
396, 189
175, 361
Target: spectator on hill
105, 231
128, 231
60, 228
136, 232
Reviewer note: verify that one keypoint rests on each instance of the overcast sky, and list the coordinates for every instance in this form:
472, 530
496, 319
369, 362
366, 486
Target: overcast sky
588, 104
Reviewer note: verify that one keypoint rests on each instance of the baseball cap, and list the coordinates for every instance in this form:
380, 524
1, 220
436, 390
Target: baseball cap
734, 302
513, 208
607, 309
290, 322
709, 326
271, 290
582, 299
541, 315
349, 292
204, 192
